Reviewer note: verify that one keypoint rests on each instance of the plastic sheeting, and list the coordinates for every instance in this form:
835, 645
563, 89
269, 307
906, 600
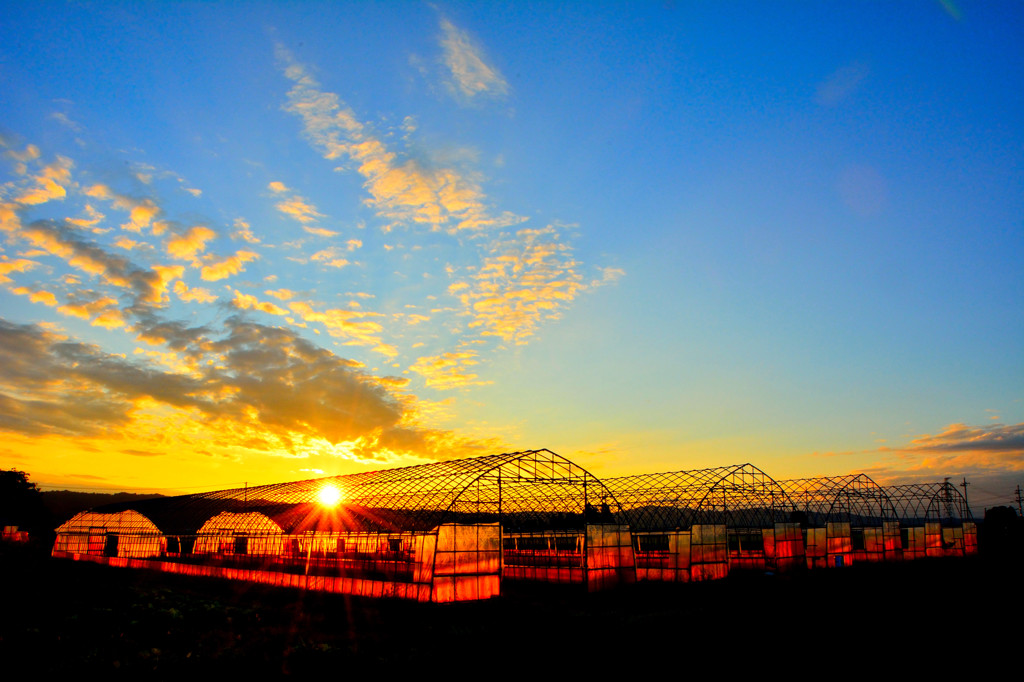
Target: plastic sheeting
544, 556
467, 562
839, 544
609, 556
784, 546
970, 538
815, 547
662, 556
891, 538
709, 552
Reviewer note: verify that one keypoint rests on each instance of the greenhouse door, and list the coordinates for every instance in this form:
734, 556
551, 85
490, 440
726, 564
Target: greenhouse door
110, 545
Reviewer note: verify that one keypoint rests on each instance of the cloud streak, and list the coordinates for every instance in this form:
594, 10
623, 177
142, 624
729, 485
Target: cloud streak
403, 191
990, 451
471, 75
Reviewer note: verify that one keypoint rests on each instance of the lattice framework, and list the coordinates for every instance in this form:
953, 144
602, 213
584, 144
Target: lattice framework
533, 488
739, 496
918, 503
854, 499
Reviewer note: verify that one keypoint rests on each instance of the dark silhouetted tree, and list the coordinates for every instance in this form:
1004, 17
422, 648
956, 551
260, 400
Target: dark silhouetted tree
21, 503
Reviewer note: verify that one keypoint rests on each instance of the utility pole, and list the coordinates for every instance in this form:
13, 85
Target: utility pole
1019, 512
966, 503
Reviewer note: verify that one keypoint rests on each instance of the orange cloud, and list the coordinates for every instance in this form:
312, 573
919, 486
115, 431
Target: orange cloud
958, 450
9, 220
525, 280
51, 183
187, 246
94, 217
268, 390
18, 265
37, 295
297, 209
196, 294
165, 274
87, 308
224, 268
243, 231
319, 231
353, 325
249, 302
281, 294
448, 370
109, 319
330, 257
141, 212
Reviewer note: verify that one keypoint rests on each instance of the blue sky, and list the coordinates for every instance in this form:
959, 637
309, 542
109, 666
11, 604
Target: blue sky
261, 241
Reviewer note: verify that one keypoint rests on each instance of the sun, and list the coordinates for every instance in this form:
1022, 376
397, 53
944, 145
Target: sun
329, 496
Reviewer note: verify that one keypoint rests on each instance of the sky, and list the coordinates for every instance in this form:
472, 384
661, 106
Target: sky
255, 242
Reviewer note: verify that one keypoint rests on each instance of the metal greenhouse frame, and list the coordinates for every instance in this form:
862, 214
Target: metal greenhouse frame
432, 532
844, 519
934, 520
455, 530
696, 525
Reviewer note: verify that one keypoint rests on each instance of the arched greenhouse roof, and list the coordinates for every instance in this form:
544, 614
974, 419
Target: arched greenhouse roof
524, 490
918, 503
854, 499
739, 496
125, 522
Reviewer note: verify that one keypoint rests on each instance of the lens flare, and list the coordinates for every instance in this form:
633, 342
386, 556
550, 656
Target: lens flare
329, 496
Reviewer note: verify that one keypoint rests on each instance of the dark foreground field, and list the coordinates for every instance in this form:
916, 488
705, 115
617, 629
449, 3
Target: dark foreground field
61, 616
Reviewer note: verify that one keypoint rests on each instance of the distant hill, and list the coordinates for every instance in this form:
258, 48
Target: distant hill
63, 504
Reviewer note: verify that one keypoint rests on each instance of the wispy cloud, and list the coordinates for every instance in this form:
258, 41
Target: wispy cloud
402, 190
526, 279
471, 75
298, 208
332, 257
243, 230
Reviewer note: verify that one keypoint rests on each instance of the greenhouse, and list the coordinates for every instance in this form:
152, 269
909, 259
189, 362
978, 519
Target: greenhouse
457, 530
700, 524
844, 519
934, 520
117, 534
433, 532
